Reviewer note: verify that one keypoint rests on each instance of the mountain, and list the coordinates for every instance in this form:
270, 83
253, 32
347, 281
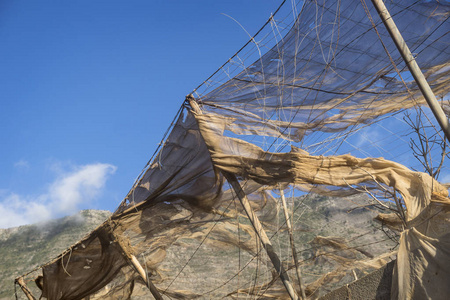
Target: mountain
26, 247
316, 219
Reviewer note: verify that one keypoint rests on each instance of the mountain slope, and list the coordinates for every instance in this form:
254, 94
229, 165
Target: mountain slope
316, 219
25, 247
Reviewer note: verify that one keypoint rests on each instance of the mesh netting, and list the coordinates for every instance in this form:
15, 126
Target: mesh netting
300, 129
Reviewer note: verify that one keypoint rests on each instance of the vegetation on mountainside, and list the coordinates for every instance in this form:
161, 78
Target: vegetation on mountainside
25, 247
201, 266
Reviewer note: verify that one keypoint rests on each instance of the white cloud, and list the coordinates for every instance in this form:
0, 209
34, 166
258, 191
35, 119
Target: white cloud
65, 195
85, 184
22, 164
16, 210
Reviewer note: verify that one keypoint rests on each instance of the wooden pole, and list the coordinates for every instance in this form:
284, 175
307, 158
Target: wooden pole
132, 260
253, 219
138, 267
413, 67
291, 239
261, 233
24, 288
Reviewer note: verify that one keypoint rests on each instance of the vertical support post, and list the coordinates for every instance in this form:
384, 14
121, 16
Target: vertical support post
132, 260
24, 288
294, 251
261, 233
413, 67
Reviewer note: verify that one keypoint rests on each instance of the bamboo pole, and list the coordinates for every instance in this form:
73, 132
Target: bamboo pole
261, 233
291, 239
413, 67
24, 288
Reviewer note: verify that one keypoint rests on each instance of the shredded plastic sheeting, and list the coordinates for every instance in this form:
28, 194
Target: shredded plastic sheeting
325, 76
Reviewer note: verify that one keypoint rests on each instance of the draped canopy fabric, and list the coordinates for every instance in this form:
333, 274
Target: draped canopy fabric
333, 69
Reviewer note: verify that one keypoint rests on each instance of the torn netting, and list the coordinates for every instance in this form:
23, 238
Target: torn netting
328, 73
331, 71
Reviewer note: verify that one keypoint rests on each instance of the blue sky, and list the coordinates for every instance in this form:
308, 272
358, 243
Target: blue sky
88, 88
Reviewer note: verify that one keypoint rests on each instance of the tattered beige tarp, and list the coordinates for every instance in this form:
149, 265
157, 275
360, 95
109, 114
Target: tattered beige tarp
423, 263
328, 72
